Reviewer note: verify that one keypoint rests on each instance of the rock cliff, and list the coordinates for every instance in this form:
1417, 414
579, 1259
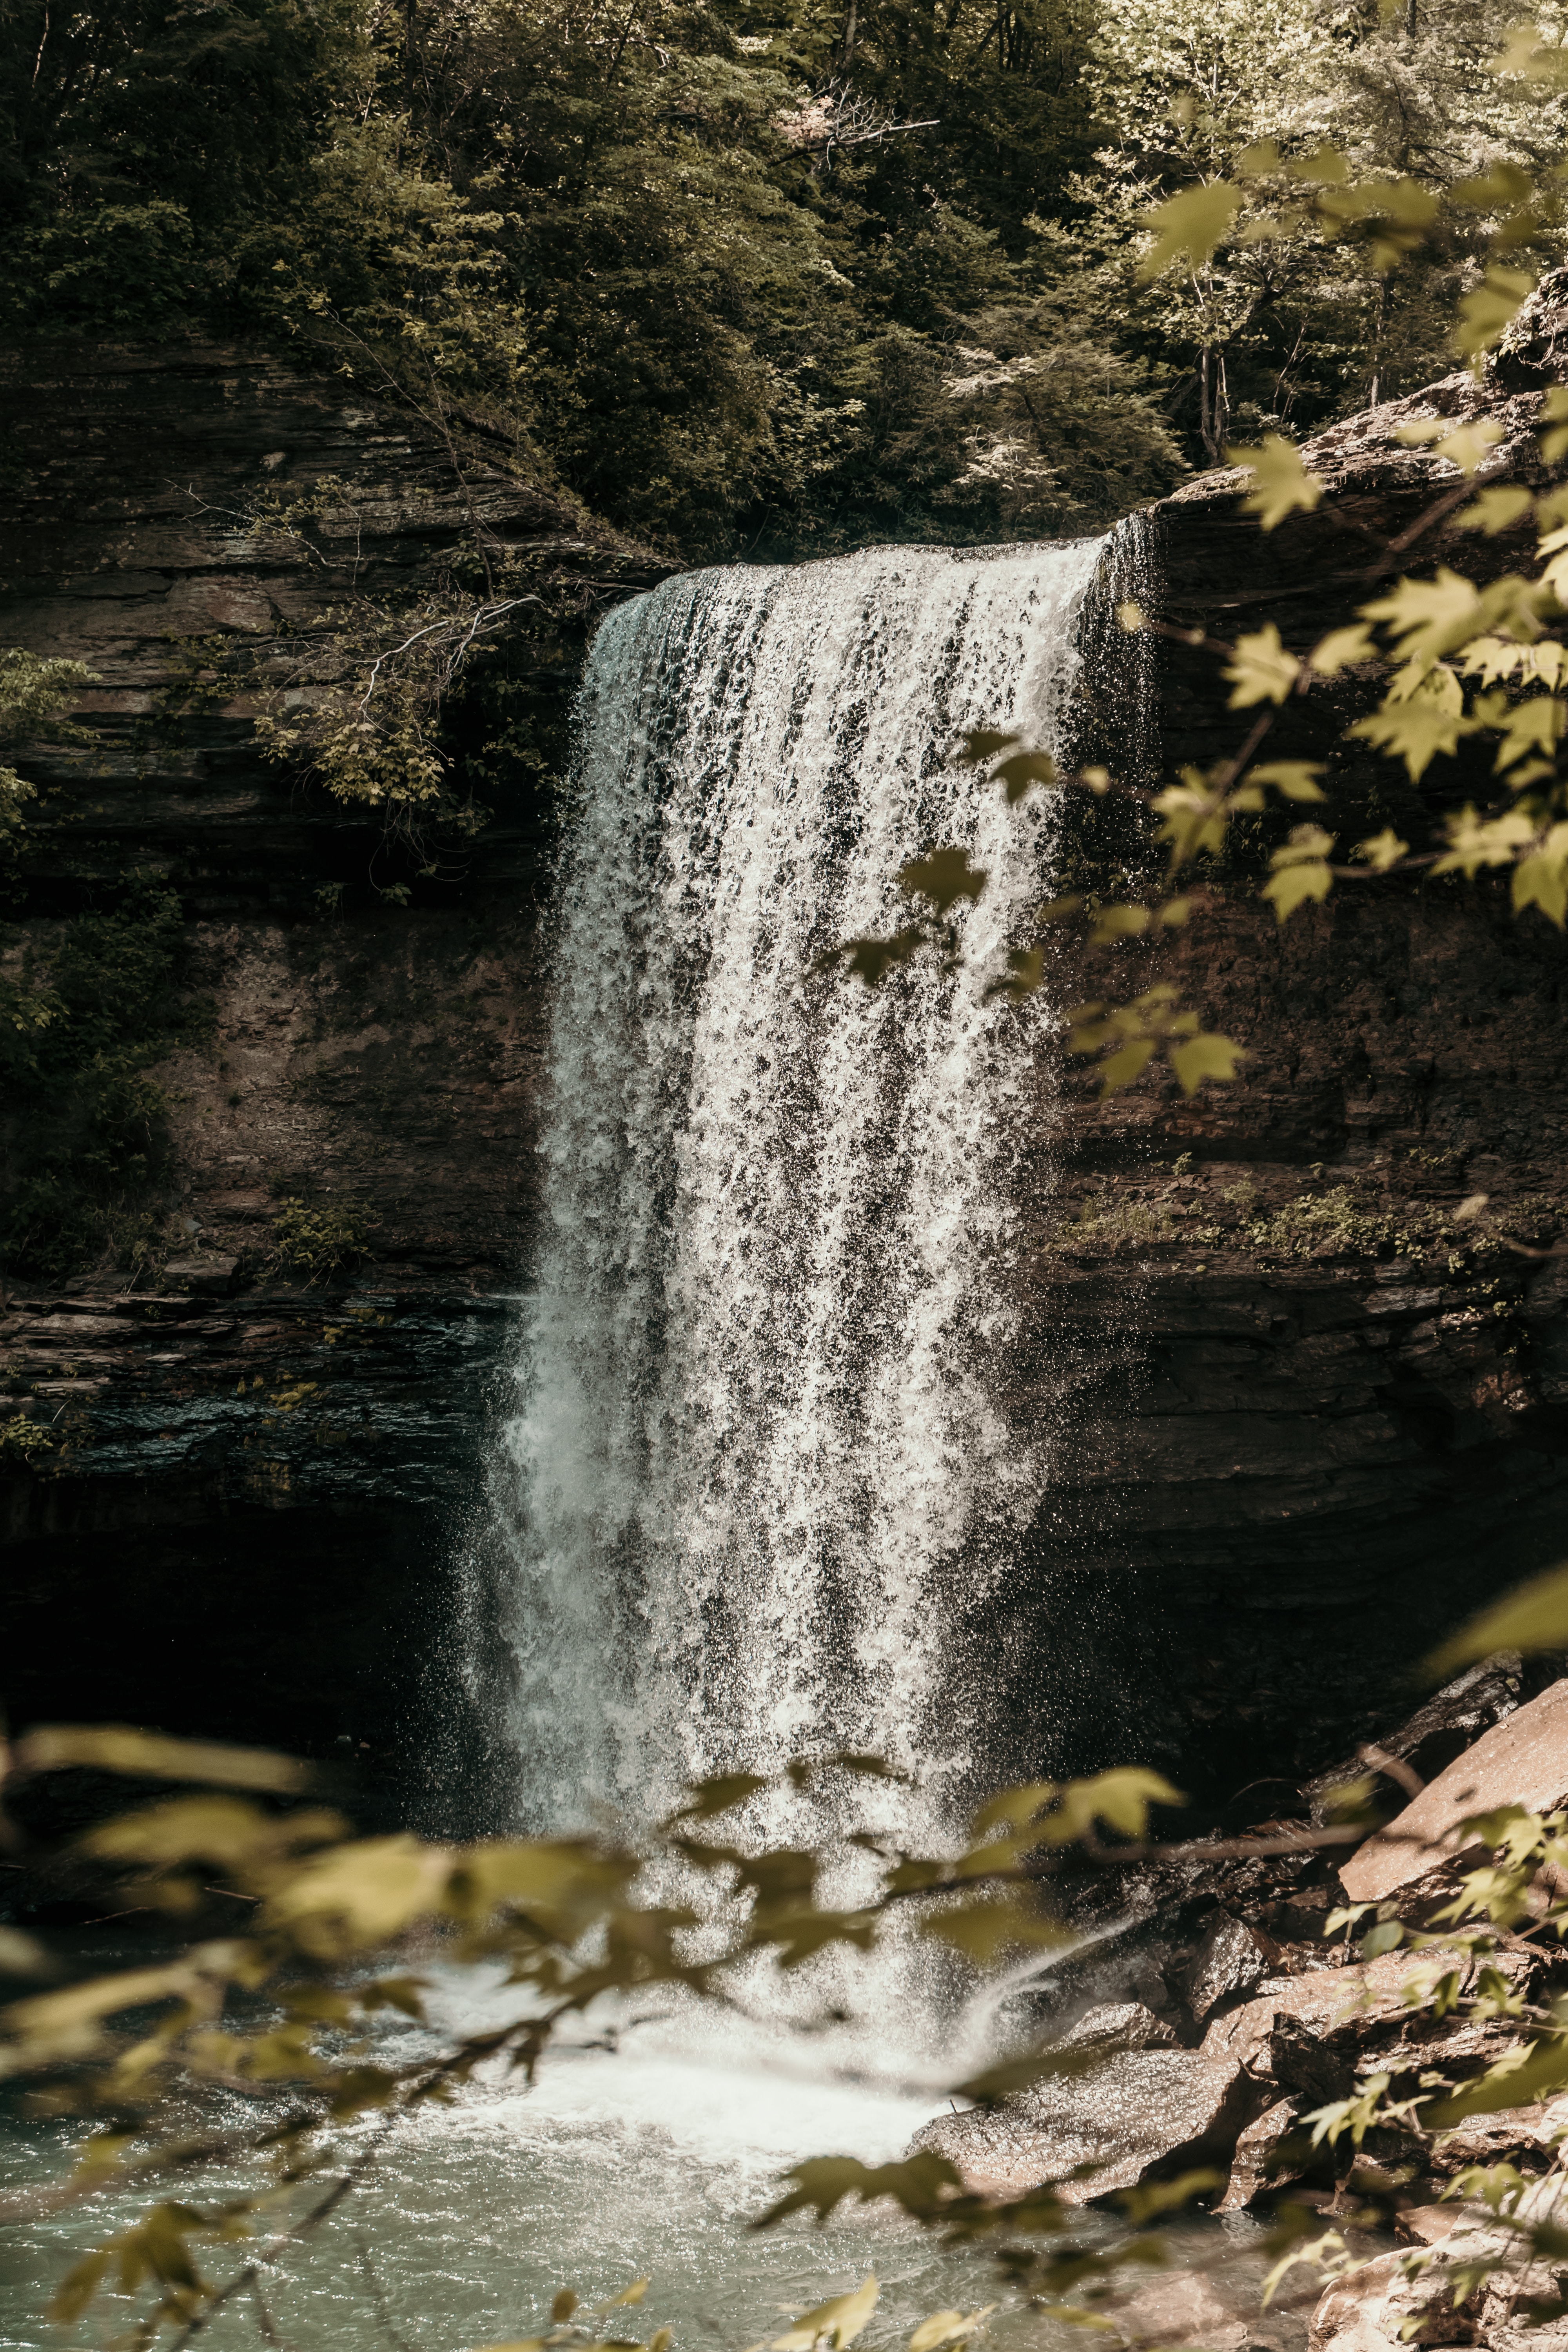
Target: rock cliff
1297, 1413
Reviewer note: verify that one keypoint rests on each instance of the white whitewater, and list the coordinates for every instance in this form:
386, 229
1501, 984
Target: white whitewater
757, 1470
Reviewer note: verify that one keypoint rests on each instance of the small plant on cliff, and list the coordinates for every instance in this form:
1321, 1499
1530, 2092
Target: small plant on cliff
319, 1242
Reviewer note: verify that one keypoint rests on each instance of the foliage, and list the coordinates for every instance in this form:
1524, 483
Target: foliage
85, 1126
33, 690
285, 2005
1461, 661
319, 1242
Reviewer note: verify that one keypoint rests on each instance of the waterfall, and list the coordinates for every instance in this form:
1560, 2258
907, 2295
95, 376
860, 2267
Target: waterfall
759, 1470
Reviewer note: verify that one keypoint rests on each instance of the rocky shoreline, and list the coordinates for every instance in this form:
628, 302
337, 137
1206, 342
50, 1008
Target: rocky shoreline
1216, 2018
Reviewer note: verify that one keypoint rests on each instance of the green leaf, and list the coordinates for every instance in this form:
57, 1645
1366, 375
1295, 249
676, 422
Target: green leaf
1191, 224
1294, 885
922, 2184
1340, 648
872, 958
1490, 309
943, 875
1260, 669
945, 2328
1281, 486
1495, 509
1382, 850
1542, 878
117, 1747
719, 1794
1418, 732
1144, 2205
1533, 1617
1023, 772
1207, 1057
837, 2321
1297, 779
982, 744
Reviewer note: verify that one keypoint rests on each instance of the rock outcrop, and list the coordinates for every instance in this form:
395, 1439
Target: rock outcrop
1289, 1419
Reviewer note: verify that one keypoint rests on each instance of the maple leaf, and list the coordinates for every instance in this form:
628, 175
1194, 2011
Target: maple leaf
1280, 483
1297, 779
1415, 731
1489, 308
1540, 879
1301, 870
1341, 647
1384, 849
943, 875
1192, 223
1428, 617
1260, 669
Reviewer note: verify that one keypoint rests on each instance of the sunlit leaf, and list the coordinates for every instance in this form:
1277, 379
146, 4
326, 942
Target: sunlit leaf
1490, 309
1190, 225
117, 1747
837, 2323
1382, 850
1208, 1055
948, 2327
1533, 1617
1340, 648
1280, 484
1497, 508
1144, 2205
1297, 779
1261, 670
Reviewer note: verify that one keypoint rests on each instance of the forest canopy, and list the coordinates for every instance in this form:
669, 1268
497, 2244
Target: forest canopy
769, 277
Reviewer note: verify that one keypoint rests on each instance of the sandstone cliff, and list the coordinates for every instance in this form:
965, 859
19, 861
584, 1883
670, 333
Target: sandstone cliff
1290, 1421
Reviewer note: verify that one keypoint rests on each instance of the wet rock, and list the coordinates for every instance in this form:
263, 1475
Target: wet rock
210, 1277
1381, 2305
1255, 2168
1523, 1760
1426, 2225
1141, 2116
1119, 2025
1436, 1735
1301, 2060
1520, 2134
1190, 2308
1229, 1961
1350, 2001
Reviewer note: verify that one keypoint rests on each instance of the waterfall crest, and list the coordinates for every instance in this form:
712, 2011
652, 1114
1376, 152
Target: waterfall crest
757, 1466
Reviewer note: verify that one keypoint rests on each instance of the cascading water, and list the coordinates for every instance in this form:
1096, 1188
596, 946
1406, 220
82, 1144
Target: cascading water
758, 1446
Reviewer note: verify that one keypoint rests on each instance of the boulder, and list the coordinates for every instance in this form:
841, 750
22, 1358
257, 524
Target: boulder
1229, 1961
1436, 1735
1142, 2115
1325, 2000
1379, 2306
1118, 2025
1300, 2059
1522, 1760
1252, 2168
1186, 2307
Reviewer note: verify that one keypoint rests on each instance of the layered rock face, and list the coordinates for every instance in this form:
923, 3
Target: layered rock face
1302, 1425
225, 1421
1294, 1430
